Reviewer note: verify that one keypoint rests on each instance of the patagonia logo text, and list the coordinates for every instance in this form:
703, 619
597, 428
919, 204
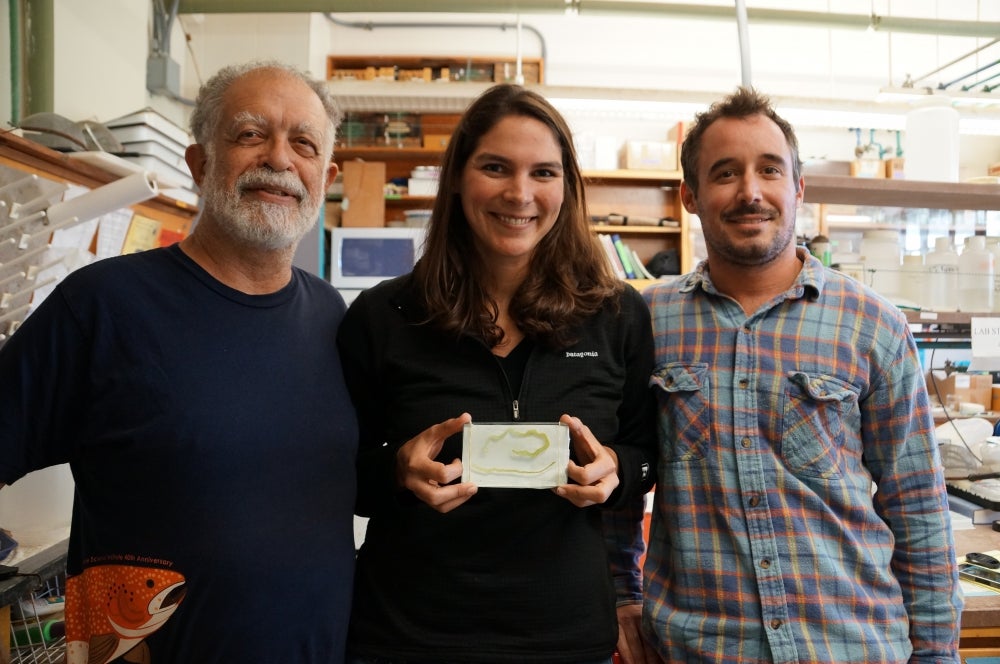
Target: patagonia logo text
585, 353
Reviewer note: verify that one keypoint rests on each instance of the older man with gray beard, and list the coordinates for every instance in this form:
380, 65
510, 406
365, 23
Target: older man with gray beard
197, 394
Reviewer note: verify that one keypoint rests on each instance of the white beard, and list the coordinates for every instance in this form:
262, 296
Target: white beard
259, 224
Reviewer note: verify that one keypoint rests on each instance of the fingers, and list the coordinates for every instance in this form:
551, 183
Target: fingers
631, 645
597, 478
445, 498
430, 480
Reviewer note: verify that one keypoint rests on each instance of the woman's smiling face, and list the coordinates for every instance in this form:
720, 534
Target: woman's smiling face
512, 190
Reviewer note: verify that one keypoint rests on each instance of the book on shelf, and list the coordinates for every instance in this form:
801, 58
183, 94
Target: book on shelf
624, 260
624, 254
612, 254
640, 270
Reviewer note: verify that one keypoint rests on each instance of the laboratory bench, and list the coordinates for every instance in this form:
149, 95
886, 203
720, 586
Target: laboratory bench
981, 615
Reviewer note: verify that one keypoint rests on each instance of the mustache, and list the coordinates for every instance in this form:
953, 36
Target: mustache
263, 178
751, 209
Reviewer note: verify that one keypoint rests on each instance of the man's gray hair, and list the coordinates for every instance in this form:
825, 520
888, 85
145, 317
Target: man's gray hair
208, 106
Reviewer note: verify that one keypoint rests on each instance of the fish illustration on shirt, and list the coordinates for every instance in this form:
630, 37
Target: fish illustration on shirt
111, 609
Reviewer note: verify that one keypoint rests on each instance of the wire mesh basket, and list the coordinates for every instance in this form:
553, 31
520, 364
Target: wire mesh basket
37, 625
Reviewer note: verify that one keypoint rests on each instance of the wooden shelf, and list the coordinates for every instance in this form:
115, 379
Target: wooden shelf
626, 175
637, 230
840, 189
417, 69
386, 153
22, 154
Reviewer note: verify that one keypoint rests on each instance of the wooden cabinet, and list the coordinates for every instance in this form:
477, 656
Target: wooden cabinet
637, 193
399, 163
437, 69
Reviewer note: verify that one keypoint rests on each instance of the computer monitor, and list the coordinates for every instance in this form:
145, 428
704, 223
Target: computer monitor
362, 257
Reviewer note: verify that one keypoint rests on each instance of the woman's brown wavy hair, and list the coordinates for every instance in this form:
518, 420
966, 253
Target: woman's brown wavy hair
569, 278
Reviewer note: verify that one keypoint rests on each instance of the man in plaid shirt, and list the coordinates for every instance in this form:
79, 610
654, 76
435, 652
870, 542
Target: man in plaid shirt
800, 513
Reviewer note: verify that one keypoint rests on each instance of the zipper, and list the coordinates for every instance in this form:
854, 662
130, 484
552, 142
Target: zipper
517, 411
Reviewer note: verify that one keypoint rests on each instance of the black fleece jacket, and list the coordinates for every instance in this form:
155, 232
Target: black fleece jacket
513, 574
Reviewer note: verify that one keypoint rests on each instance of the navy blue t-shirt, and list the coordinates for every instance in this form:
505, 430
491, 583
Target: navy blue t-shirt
213, 444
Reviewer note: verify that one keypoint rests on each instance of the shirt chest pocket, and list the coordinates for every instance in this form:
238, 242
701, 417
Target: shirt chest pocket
686, 422
820, 425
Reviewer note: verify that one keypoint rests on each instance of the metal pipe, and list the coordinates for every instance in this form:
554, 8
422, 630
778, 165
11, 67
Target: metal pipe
970, 86
744, 34
983, 29
909, 83
41, 67
371, 25
945, 86
15, 63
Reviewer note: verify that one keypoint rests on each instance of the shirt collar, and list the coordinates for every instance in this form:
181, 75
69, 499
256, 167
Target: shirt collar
811, 277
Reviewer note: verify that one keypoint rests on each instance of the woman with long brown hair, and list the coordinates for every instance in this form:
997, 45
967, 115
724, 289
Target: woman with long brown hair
510, 316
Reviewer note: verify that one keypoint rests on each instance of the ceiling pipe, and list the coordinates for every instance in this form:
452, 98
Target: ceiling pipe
744, 35
986, 88
371, 25
910, 82
757, 16
979, 70
16, 80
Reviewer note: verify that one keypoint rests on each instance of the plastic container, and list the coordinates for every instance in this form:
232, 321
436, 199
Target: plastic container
975, 276
913, 280
993, 245
417, 218
883, 257
931, 144
941, 276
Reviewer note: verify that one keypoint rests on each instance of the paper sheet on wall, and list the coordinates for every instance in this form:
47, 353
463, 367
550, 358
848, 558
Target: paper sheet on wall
111, 232
55, 264
143, 233
985, 335
77, 236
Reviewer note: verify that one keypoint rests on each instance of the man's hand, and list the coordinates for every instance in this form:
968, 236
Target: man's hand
631, 645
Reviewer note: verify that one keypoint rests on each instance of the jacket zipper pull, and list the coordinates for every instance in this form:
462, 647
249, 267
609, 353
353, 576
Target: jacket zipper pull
517, 411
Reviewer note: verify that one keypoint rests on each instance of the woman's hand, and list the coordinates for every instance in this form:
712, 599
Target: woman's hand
598, 476
417, 470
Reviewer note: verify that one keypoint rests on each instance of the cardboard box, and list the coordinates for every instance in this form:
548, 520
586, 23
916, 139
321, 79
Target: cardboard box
364, 193
436, 141
867, 168
967, 387
895, 168
649, 155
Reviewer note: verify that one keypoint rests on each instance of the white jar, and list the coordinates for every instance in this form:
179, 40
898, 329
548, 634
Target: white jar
912, 281
975, 276
993, 245
941, 274
883, 257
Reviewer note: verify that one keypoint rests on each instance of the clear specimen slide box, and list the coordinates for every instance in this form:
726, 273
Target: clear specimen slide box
529, 455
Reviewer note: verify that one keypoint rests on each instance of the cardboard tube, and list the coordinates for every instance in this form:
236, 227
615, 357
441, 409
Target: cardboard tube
113, 196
